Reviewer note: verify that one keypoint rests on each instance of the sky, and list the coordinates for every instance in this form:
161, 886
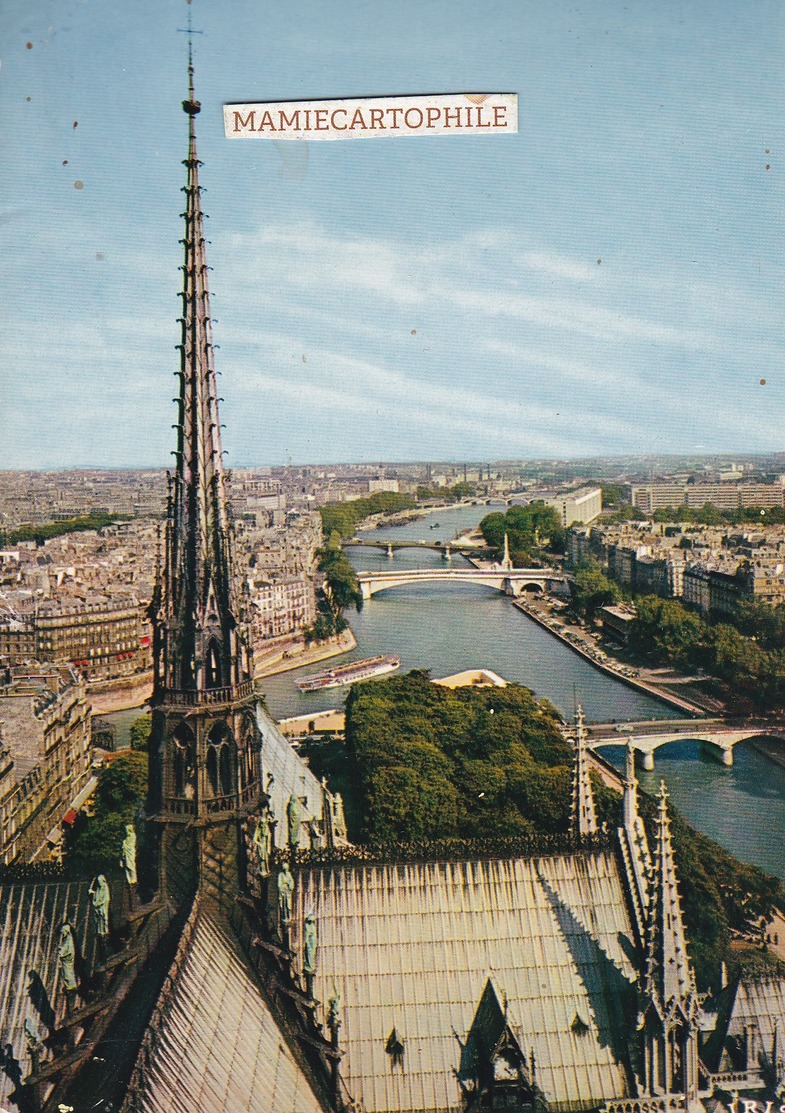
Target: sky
607, 281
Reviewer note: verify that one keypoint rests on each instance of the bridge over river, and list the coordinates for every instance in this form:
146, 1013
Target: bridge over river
446, 548
718, 736
510, 581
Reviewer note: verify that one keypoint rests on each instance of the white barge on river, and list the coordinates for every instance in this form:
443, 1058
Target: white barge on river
349, 674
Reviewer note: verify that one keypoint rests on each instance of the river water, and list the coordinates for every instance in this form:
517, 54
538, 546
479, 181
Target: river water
450, 627
447, 628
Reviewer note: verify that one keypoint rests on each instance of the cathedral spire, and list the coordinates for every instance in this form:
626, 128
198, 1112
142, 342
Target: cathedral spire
635, 847
200, 647
205, 743
583, 816
669, 999
669, 978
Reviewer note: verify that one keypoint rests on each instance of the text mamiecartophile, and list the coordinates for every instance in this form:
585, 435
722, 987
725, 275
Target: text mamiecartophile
453, 114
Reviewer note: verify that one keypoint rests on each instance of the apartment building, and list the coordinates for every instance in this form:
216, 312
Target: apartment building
44, 755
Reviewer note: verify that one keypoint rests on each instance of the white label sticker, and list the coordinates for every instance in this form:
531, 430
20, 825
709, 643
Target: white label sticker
377, 118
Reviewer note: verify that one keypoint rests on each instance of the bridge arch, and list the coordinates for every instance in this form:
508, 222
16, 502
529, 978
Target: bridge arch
371, 588
719, 744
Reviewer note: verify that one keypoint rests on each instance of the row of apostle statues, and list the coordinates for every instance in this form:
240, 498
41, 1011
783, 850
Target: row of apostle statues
73, 973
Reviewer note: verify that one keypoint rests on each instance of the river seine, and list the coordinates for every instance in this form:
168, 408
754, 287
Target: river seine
449, 627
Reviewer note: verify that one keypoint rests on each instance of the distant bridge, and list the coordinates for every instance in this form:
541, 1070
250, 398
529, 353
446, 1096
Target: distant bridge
511, 581
392, 547
646, 738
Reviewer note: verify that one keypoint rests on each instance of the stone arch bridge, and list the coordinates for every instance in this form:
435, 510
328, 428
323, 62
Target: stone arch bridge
510, 581
718, 739
446, 548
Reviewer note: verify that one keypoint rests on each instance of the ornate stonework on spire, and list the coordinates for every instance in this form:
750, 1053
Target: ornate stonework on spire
583, 819
202, 647
506, 559
669, 1001
205, 743
635, 847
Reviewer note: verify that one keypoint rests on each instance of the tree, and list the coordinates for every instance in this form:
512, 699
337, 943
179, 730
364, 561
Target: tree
591, 589
139, 733
528, 528
666, 631
612, 494
122, 783
96, 840
340, 589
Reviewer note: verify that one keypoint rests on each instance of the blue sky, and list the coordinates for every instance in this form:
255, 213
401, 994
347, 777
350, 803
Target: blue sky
607, 281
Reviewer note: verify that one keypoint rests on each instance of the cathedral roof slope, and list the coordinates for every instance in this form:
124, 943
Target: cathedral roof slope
31, 916
216, 1045
760, 1003
411, 949
291, 776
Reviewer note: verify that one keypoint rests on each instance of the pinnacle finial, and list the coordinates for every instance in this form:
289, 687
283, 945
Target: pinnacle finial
670, 980
584, 818
191, 106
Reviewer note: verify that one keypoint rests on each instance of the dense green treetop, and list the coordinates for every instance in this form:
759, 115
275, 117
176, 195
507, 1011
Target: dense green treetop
96, 840
591, 589
612, 493
139, 732
710, 515
434, 763
751, 659
344, 517
529, 529
340, 589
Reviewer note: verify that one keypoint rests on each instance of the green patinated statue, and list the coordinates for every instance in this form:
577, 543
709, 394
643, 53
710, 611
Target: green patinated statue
309, 952
334, 1014
128, 858
99, 900
294, 818
310, 943
66, 959
263, 844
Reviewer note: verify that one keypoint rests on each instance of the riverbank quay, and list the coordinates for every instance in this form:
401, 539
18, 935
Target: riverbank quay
401, 517
587, 649
772, 748
294, 654
121, 694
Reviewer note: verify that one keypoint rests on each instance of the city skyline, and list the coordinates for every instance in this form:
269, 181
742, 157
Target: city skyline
604, 283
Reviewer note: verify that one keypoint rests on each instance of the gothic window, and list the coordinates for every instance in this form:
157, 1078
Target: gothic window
214, 676
184, 761
219, 760
250, 744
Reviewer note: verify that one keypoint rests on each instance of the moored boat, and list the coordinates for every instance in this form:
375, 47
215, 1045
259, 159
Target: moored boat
349, 674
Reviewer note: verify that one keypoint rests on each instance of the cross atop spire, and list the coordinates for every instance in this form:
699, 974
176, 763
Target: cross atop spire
669, 980
199, 646
583, 819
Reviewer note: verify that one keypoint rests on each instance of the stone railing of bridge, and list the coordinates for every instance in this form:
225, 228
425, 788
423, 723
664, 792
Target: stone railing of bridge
512, 581
454, 545
718, 740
